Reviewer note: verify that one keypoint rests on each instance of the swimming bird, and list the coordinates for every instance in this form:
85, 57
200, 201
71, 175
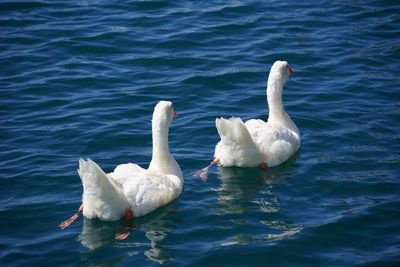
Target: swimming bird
256, 142
130, 190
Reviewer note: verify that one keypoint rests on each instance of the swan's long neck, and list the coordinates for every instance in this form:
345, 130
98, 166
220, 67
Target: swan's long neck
277, 113
160, 140
162, 160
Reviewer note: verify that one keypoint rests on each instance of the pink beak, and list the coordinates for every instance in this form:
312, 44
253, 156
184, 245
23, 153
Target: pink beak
175, 114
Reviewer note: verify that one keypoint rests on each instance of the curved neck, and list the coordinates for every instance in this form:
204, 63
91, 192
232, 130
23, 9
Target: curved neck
274, 97
277, 113
160, 140
162, 160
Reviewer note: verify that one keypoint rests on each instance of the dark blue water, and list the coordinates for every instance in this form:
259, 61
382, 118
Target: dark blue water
81, 80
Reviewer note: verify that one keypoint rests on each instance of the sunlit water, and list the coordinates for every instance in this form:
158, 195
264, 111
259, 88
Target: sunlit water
81, 80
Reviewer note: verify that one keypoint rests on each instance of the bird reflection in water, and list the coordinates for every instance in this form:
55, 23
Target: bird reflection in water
156, 226
250, 190
239, 185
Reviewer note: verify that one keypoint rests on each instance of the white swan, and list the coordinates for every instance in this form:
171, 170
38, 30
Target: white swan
259, 143
131, 191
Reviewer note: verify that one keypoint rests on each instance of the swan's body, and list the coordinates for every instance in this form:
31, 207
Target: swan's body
257, 142
129, 186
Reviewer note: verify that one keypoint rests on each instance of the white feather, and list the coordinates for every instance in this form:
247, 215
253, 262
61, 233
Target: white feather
254, 142
236, 147
107, 196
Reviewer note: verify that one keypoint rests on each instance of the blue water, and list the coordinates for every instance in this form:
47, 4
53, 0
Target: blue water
81, 80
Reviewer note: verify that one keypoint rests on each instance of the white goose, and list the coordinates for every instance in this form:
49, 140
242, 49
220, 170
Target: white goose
256, 142
131, 191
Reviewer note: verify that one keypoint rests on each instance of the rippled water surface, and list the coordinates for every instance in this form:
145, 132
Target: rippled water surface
80, 79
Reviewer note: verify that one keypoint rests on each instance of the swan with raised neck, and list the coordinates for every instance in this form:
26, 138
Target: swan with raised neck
256, 142
130, 190
279, 74
162, 160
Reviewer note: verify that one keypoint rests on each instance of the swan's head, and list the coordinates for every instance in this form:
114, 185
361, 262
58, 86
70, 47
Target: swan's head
280, 71
164, 112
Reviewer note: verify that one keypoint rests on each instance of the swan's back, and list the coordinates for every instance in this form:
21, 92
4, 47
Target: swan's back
149, 191
275, 142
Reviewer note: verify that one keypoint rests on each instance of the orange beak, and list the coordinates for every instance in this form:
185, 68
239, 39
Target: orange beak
175, 114
291, 70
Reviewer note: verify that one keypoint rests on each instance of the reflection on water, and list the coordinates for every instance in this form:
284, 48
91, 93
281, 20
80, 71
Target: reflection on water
244, 190
241, 184
96, 233
268, 238
156, 226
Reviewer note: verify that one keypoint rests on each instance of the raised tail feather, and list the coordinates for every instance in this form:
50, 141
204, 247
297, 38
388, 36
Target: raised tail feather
236, 147
233, 130
102, 196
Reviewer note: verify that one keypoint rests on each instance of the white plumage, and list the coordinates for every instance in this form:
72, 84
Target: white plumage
108, 196
257, 142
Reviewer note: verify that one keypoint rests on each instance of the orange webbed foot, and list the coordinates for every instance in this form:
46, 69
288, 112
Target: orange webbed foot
125, 231
73, 218
263, 166
203, 173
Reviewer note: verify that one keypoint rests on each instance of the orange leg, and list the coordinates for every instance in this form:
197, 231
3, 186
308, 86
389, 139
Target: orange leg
203, 173
126, 230
73, 218
263, 166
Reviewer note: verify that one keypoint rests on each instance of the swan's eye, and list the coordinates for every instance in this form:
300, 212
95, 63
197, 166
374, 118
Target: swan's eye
171, 107
290, 69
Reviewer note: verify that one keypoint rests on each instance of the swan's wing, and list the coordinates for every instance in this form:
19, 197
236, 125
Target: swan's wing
236, 147
233, 130
260, 132
152, 190
123, 172
275, 142
102, 196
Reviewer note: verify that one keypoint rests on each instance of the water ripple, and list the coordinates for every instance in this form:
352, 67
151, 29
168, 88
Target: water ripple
80, 79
